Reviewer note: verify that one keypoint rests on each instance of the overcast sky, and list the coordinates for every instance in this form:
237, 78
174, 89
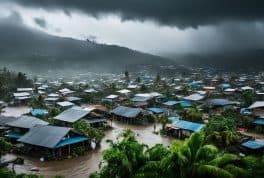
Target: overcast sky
163, 27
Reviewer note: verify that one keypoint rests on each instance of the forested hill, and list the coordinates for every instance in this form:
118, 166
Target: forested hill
24, 48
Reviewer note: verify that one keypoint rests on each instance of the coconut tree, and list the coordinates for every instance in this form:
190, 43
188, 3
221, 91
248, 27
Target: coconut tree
220, 131
194, 158
123, 158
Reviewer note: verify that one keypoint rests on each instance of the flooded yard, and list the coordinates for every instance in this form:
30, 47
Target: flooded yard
84, 165
15, 111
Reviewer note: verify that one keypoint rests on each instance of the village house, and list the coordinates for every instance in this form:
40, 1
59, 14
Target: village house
72, 115
74, 99
158, 111
65, 104
53, 141
254, 146
126, 114
20, 126
52, 98
3, 124
257, 108
66, 92
21, 98
181, 128
219, 105
194, 97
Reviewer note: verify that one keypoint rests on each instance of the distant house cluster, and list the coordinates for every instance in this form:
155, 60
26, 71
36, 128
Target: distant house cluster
112, 98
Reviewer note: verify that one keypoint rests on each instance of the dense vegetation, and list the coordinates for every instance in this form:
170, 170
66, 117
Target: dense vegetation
83, 127
194, 158
10, 81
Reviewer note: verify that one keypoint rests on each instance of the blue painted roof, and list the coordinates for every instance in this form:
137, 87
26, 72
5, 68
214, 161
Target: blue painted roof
182, 103
14, 135
185, 104
259, 121
171, 103
195, 83
174, 119
186, 125
225, 85
253, 144
70, 141
157, 110
36, 112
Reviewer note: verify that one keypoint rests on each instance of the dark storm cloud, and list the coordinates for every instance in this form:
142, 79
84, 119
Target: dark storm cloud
182, 13
40, 22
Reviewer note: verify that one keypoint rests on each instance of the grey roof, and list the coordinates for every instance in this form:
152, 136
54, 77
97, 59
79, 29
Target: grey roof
257, 104
220, 102
45, 136
4, 120
194, 97
73, 98
72, 115
140, 99
65, 103
126, 111
93, 121
26, 122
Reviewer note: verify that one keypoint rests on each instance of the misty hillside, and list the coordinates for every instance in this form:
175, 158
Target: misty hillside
22, 47
236, 60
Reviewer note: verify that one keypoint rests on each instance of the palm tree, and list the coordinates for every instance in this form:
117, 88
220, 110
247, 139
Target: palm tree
194, 158
123, 158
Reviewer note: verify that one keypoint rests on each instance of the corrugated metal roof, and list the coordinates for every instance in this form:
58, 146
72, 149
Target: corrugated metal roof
4, 120
194, 97
93, 121
254, 144
22, 94
257, 104
126, 111
140, 99
171, 103
36, 112
174, 119
259, 121
73, 98
26, 122
72, 115
70, 141
157, 110
112, 97
65, 103
45, 136
124, 91
186, 125
220, 102
14, 135
185, 104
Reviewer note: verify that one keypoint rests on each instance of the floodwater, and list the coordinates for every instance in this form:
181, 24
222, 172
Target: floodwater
15, 111
83, 166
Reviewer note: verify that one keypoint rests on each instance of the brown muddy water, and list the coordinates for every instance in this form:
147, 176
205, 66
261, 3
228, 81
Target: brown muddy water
15, 111
83, 166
